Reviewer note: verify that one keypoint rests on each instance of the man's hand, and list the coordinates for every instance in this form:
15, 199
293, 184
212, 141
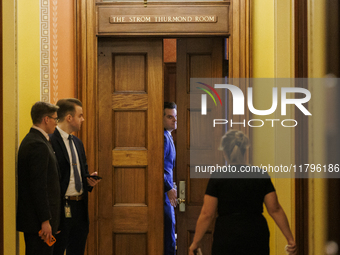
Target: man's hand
46, 231
172, 195
192, 247
291, 248
91, 181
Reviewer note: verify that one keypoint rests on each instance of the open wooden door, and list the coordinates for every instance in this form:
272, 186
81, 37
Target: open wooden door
130, 159
196, 58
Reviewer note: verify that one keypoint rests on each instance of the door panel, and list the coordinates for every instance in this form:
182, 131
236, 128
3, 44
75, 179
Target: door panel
130, 91
196, 58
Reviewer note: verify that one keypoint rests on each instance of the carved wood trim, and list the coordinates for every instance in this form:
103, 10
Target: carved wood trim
1, 143
240, 53
301, 132
86, 76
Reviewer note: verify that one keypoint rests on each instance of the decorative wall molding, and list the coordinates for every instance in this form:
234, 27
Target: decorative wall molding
44, 51
54, 89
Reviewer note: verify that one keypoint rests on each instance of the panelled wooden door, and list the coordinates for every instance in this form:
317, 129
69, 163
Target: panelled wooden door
196, 58
130, 96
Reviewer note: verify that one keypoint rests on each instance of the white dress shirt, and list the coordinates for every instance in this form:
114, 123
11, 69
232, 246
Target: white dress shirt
71, 190
42, 131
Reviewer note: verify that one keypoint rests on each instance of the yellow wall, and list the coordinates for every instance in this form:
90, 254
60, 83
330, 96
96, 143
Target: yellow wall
9, 125
28, 68
263, 38
21, 89
316, 128
263, 67
273, 57
28, 61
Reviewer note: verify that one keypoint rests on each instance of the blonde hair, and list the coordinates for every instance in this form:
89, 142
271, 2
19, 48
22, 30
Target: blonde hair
234, 144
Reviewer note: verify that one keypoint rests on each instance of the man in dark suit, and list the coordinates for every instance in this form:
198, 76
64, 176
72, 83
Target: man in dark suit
38, 182
170, 193
75, 183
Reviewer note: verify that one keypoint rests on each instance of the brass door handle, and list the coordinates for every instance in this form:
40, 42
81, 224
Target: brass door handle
180, 201
181, 196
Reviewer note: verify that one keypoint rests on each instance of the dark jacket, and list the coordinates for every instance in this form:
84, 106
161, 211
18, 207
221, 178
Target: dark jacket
64, 164
38, 184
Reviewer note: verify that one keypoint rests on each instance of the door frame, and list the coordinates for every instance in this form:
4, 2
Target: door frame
1, 142
86, 79
333, 67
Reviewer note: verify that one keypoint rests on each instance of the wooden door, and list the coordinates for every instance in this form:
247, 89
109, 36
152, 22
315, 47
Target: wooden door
333, 120
130, 159
196, 58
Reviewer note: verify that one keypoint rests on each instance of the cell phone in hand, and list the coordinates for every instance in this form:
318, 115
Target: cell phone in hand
53, 240
96, 177
198, 251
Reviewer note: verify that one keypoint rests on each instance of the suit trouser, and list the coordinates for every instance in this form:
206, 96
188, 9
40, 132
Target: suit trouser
74, 230
36, 246
169, 229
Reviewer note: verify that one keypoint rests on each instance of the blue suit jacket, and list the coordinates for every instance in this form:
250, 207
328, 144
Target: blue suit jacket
169, 161
169, 212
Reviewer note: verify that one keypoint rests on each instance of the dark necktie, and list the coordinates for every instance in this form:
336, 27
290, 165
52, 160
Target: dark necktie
74, 164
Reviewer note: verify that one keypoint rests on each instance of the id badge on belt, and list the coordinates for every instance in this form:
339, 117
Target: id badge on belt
67, 210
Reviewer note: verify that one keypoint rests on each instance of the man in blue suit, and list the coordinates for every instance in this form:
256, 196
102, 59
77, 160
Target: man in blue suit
170, 193
75, 182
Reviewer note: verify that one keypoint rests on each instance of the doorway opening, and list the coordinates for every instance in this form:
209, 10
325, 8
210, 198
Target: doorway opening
169, 70
178, 55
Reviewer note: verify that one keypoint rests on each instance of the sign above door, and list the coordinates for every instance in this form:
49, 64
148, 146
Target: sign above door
119, 19
164, 19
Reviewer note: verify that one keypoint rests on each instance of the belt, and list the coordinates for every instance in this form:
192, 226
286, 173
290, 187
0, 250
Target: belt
76, 198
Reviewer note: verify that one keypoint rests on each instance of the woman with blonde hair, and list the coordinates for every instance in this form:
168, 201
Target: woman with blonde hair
240, 228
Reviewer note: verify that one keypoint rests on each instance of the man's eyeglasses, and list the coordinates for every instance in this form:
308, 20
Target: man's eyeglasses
55, 119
